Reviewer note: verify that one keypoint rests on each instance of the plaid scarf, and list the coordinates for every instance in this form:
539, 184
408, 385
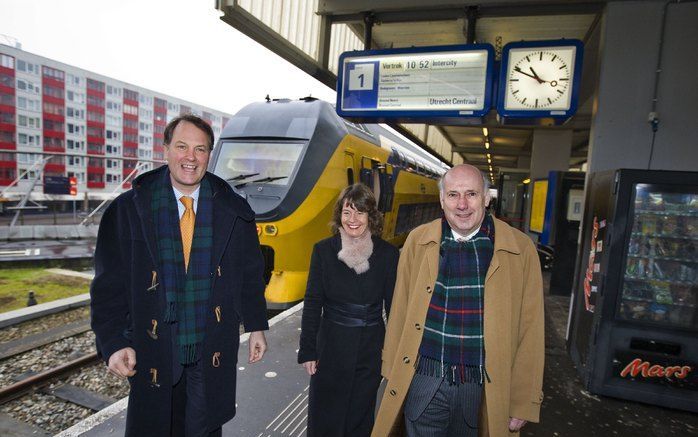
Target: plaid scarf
453, 342
186, 292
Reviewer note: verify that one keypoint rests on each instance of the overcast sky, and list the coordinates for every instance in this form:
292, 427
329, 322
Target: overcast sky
176, 47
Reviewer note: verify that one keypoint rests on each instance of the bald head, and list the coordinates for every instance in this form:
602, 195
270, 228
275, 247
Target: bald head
464, 194
464, 167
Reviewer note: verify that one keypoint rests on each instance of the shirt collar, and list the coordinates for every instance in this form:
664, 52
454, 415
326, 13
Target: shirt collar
194, 195
459, 237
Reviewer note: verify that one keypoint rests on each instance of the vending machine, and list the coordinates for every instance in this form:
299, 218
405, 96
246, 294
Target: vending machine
633, 330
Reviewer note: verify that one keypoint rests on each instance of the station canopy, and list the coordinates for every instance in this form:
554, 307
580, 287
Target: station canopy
312, 34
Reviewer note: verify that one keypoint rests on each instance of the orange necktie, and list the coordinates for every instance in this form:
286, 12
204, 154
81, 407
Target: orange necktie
186, 227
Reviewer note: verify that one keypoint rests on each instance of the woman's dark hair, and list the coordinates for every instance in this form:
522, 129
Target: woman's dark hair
189, 118
362, 199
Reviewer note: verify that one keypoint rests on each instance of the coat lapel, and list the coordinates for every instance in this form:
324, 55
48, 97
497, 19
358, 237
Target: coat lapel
142, 200
504, 241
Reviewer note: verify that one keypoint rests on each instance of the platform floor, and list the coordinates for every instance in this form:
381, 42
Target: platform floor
272, 395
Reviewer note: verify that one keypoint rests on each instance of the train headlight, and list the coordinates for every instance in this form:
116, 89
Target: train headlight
259, 230
270, 230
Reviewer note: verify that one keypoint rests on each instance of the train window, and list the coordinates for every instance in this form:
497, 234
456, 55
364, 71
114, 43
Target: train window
350, 176
250, 161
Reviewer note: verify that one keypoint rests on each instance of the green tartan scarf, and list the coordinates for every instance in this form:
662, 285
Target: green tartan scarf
453, 342
186, 292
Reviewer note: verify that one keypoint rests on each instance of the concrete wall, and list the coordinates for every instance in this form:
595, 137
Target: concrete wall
621, 136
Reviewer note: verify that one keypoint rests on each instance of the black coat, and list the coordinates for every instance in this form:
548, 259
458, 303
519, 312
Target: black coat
127, 296
343, 390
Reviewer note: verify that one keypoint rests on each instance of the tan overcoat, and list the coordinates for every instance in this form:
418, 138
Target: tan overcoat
514, 329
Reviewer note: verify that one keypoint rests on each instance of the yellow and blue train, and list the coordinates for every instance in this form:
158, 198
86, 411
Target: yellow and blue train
291, 159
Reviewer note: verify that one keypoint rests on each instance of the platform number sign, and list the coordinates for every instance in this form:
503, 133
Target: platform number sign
361, 77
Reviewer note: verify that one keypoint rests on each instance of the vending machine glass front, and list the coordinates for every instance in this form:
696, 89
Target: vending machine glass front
660, 283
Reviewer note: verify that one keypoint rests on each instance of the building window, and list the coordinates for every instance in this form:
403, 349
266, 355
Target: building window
130, 109
113, 135
7, 80
54, 142
31, 122
95, 132
78, 114
28, 86
95, 116
74, 80
130, 95
53, 73
113, 106
7, 117
55, 126
95, 101
76, 97
76, 145
7, 61
95, 148
53, 92
95, 85
28, 140
113, 91
52, 108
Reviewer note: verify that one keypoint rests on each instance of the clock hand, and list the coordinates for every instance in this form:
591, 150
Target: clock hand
517, 69
536, 76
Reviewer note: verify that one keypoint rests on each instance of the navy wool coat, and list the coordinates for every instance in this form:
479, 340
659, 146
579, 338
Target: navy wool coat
342, 394
127, 300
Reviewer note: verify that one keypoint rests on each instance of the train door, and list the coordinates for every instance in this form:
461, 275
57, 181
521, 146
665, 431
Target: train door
379, 177
349, 166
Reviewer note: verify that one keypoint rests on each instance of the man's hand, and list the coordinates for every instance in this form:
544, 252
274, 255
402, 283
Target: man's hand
516, 424
310, 367
122, 363
258, 345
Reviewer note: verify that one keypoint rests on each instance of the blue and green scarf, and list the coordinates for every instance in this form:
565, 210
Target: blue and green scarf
186, 292
453, 342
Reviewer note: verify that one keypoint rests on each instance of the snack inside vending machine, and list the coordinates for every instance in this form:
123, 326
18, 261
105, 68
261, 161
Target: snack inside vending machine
633, 330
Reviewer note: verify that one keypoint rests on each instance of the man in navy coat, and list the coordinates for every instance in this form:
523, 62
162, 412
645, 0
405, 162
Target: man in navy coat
178, 267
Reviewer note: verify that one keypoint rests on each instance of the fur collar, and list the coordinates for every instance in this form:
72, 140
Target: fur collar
355, 251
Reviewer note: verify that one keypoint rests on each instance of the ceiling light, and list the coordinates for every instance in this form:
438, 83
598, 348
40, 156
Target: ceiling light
487, 144
490, 169
488, 155
489, 161
484, 131
526, 181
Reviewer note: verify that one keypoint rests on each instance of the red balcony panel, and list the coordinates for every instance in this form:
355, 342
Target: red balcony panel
54, 134
7, 90
53, 117
91, 184
95, 140
95, 152
96, 109
7, 146
131, 102
54, 100
8, 164
51, 81
95, 93
95, 170
8, 127
7, 108
8, 71
54, 168
95, 124
130, 116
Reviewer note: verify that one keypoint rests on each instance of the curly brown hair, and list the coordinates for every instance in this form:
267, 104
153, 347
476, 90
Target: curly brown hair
362, 199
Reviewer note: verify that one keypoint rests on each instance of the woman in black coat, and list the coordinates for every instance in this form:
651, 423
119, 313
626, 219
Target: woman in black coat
351, 279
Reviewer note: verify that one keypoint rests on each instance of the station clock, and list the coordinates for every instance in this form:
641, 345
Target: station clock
540, 78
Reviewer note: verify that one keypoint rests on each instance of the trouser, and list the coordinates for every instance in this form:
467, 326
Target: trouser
434, 408
189, 405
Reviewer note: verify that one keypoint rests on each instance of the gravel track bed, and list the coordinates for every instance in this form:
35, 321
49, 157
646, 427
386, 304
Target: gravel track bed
43, 323
46, 412
96, 378
46, 357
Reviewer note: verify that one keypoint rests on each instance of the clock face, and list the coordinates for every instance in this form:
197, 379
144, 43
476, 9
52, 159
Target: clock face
540, 78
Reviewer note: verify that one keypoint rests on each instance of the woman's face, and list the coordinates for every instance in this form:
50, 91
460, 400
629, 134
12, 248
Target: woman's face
354, 222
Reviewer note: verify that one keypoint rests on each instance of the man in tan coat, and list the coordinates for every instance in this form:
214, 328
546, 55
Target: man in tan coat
452, 355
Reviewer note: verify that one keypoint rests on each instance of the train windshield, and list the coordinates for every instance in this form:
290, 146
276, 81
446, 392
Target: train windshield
258, 162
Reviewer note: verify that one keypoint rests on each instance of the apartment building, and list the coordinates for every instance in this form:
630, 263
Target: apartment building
99, 128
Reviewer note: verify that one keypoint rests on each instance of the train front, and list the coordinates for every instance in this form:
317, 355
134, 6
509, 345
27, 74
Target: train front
275, 155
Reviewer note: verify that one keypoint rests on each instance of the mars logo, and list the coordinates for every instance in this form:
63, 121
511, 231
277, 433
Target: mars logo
647, 370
